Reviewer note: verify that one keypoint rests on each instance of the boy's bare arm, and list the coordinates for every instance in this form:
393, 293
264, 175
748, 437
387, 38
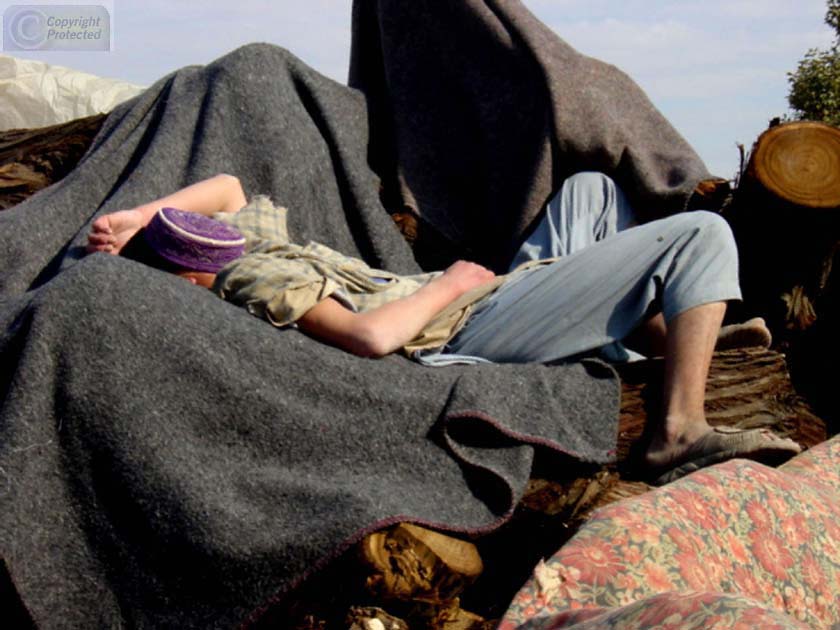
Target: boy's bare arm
383, 330
222, 193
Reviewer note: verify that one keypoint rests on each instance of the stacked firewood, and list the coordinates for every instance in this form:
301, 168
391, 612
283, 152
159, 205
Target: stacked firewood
32, 159
786, 218
407, 576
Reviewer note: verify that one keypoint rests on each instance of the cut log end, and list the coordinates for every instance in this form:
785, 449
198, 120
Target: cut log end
799, 163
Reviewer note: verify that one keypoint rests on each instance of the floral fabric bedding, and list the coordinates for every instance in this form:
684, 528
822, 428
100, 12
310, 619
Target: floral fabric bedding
737, 545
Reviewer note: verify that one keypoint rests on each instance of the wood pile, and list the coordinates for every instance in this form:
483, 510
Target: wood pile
407, 576
32, 159
786, 219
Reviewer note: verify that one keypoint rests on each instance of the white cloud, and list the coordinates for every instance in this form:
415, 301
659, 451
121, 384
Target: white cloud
717, 69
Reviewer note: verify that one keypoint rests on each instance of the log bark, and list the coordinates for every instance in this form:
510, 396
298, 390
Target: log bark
32, 159
786, 220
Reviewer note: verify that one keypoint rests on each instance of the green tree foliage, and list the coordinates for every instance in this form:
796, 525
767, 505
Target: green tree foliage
815, 85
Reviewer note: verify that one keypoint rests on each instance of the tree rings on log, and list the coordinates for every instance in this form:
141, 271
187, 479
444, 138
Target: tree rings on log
799, 163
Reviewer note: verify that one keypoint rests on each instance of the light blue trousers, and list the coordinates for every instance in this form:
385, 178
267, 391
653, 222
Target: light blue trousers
609, 279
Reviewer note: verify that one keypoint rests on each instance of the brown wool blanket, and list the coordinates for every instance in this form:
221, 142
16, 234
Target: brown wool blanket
168, 460
479, 111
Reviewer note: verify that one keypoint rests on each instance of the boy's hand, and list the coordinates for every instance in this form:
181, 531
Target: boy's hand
388, 327
466, 275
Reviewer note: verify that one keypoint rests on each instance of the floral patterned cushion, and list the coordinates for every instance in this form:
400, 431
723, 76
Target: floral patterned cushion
671, 611
719, 548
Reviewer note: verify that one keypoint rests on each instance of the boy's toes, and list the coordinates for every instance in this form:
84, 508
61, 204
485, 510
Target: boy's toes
102, 225
97, 238
97, 242
92, 249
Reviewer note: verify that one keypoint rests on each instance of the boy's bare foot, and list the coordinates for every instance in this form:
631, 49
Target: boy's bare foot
752, 333
664, 450
111, 232
718, 444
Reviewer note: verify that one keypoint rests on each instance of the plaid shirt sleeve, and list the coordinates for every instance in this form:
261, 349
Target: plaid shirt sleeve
260, 221
277, 289
280, 281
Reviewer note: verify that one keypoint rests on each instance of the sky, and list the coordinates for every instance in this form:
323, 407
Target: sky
717, 69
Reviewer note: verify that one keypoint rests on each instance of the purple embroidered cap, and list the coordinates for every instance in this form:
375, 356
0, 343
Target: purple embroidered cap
193, 241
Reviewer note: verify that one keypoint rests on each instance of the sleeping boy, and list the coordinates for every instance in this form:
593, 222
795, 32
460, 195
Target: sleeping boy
586, 280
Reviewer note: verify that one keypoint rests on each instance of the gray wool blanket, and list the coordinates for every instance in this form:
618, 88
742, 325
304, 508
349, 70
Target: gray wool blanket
168, 460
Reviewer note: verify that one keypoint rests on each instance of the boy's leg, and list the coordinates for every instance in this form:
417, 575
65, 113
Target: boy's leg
600, 294
650, 338
222, 193
749, 334
683, 441
588, 208
689, 346
687, 264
